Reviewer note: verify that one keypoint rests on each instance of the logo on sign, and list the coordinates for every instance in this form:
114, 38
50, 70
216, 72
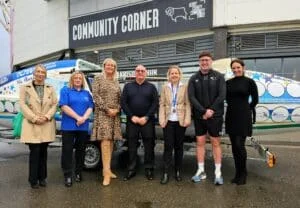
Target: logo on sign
197, 10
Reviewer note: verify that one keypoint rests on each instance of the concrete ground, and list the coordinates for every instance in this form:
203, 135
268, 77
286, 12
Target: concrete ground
266, 187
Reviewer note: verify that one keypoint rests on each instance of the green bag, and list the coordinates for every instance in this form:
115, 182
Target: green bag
17, 124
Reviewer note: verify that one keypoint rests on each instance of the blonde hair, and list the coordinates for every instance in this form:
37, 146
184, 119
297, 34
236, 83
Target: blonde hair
174, 67
41, 66
115, 75
71, 85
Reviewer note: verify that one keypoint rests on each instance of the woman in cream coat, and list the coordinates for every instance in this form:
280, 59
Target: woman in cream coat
174, 117
38, 104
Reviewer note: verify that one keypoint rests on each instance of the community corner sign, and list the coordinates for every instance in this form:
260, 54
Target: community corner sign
157, 17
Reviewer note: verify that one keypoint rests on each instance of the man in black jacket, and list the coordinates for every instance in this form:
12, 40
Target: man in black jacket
139, 101
206, 92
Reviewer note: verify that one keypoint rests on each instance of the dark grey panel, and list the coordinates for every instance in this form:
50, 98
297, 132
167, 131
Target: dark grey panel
166, 49
220, 42
235, 48
152, 18
253, 41
271, 40
185, 47
166, 53
148, 51
119, 54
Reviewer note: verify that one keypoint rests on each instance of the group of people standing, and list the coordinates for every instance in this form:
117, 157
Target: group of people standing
202, 98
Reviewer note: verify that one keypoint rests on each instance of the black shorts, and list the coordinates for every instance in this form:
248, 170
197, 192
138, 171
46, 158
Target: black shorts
211, 126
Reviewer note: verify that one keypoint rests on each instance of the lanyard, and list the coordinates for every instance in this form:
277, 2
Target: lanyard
174, 95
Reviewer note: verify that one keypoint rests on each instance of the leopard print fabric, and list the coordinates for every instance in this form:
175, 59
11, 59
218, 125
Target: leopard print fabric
106, 95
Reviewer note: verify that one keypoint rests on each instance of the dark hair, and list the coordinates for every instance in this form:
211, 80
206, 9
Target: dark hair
205, 53
239, 61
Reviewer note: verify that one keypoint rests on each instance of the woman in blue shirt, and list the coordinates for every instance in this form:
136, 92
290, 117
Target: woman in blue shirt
76, 104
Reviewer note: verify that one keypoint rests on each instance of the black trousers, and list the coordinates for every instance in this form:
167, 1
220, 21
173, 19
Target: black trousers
147, 133
239, 154
37, 162
70, 140
173, 136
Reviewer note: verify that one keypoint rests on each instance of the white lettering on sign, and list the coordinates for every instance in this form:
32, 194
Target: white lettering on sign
131, 22
152, 72
124, 74
140, 21
94, 29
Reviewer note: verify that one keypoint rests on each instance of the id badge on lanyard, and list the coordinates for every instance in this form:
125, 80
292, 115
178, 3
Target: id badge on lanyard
174, 98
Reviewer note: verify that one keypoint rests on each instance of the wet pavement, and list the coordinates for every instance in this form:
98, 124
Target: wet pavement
266, 187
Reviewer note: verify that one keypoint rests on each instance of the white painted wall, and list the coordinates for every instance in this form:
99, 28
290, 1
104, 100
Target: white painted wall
237, 12
80, 7
40, 28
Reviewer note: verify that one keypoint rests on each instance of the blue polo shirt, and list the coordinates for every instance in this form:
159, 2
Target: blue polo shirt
79, 101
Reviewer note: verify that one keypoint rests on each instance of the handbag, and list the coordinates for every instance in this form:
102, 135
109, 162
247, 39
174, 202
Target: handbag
17, 124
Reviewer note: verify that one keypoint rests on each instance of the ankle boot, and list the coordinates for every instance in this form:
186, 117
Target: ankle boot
106, 160
235, 179
237, 176
237, 163
164, 178
243, 173
242, 179
178, 176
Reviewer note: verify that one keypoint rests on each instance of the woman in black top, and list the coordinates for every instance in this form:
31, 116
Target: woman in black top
239, 118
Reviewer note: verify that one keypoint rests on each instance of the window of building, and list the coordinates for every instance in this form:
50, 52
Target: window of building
119, 54
288, 39
148, 51
283, 67
187, 46
250, 64
253, 41
291, 68
271, 66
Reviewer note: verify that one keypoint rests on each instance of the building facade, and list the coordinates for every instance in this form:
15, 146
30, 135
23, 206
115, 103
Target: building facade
159, 33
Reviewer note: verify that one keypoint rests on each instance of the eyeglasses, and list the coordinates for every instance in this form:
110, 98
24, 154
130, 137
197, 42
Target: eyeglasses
204, 60
140, 71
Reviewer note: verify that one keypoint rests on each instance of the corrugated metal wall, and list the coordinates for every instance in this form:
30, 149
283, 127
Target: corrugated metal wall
156, 54
281, 44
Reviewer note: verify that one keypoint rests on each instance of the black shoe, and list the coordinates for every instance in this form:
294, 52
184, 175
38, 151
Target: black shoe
78, 177
178, 176
34, 185
68, 181
129, 175
242, 180
164, 179
43, 183
236, 176
235, 180
149, 174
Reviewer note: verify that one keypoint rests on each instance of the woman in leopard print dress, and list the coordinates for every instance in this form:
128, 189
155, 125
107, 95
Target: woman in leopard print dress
107, 128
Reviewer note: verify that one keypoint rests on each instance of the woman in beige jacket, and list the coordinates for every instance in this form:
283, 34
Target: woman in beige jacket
38, 104
174, 117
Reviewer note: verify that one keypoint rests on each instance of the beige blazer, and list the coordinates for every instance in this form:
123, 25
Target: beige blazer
32, 107
183, 107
